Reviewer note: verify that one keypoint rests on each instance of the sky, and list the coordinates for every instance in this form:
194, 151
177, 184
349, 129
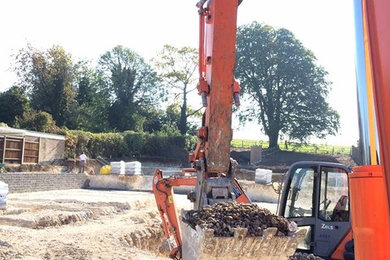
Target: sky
87, 29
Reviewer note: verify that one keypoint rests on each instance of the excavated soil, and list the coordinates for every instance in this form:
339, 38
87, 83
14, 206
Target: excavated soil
305, 256
224, 217
81, 224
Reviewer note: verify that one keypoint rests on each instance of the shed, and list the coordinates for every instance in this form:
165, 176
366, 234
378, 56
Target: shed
18, 146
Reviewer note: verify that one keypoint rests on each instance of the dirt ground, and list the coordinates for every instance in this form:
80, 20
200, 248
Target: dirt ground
93, 224
282, 160
82, 224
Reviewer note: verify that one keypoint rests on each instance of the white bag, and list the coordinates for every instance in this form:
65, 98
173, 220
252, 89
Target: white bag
3, 195
117, 167
263, 176
133, 168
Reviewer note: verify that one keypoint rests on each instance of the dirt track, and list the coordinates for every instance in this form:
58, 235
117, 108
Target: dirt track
81, 224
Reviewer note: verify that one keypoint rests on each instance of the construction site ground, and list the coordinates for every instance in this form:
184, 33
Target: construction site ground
96, 224
83, 224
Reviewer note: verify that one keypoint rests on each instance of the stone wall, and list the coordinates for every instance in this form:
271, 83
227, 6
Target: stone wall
30, 182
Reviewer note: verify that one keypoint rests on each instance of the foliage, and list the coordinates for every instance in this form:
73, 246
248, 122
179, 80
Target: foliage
116, 145
176, 67
132, 84
13, 103
280, 76
120, 94
37, 121
171, 119
92, 98
47, 76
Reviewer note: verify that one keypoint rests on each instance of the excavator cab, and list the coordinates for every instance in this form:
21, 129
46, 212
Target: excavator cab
315, 195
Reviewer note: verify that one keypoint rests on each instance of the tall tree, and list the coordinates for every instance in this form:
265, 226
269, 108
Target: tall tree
13, 104
133, 85
281, 77
48, 76
92, 98
176, 67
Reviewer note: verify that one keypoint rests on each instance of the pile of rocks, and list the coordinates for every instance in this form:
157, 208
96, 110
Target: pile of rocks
224, 217
305, 256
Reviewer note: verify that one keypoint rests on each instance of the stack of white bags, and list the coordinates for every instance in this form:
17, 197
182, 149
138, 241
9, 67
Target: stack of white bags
128, 168
133, 168
3, 195
117, 167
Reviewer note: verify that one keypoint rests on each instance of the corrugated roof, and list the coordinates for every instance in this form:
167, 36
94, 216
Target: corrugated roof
22, 132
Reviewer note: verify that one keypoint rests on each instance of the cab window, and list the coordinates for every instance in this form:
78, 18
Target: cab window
334, 200
300, 196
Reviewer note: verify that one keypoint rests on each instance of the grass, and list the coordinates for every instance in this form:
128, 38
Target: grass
296, 147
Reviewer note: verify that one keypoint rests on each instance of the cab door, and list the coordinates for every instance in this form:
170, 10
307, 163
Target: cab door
315, 196
298, 200
333, 216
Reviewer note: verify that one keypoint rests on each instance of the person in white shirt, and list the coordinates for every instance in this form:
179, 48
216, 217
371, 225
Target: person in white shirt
83, 162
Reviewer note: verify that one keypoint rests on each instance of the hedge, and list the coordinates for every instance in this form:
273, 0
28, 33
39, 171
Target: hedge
117, 145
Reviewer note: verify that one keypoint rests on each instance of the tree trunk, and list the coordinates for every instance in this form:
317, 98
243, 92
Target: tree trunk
273, 140
183, 113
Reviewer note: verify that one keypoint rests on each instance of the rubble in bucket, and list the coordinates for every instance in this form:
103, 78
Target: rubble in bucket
238, 231
305, 256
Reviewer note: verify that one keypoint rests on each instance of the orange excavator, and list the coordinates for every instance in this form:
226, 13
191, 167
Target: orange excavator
214, 169
367, 190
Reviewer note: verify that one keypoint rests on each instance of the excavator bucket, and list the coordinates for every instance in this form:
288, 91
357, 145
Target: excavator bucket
202, 244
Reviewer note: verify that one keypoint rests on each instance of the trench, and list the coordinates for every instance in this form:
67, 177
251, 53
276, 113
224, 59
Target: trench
57, 213
137, 225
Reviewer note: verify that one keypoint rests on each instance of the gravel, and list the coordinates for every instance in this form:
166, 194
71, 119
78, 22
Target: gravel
224, 217
305, 256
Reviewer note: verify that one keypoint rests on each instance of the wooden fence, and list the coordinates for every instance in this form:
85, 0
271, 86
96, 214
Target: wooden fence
19, 150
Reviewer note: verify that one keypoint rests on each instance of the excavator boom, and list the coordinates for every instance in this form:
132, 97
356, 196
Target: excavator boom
217, 56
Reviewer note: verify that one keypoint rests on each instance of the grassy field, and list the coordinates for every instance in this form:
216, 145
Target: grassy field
296, 147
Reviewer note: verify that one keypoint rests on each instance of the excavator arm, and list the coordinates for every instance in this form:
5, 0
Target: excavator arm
163, 192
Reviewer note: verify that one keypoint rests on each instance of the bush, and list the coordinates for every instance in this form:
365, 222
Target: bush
117, 145
133, 143
37, 121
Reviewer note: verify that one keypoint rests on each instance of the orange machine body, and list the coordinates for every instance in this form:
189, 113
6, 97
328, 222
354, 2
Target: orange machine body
218, 89
370, 217
370, 185
340, 249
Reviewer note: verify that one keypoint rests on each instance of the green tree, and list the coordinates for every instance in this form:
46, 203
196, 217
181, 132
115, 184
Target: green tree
176, 67
281, 77
47, 77
133, 84
93, 99
37, 121
173, 115
13, 103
